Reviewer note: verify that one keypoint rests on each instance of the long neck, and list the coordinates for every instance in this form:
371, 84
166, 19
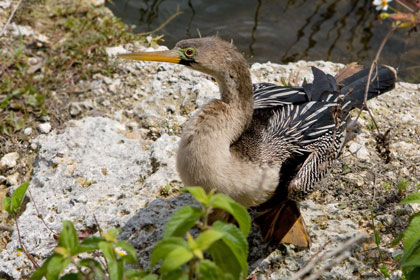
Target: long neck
204, 156
236, 92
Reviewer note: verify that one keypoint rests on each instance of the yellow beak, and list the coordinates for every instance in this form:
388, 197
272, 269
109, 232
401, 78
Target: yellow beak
171, 56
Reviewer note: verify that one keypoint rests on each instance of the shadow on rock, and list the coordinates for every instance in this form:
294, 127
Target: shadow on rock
145, 229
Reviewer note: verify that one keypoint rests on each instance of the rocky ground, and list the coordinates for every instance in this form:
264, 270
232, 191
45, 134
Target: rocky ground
106, 146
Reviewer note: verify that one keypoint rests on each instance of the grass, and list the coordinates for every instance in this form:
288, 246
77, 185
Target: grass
35, 74
39, 74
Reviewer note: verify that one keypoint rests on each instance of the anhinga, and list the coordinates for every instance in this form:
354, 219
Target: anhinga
262, 144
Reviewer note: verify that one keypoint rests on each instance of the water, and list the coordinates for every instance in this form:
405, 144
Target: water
281, 31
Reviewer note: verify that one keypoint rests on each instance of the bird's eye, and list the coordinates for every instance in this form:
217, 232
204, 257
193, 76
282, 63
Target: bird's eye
189, 52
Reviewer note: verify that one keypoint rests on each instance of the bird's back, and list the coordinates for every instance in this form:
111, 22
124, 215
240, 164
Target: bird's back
300, 130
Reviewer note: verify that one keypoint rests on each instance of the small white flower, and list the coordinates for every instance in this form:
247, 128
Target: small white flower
120, 252
381, 4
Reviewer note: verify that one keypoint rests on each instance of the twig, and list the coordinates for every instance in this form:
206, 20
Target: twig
39, 214
317, 274
10, 18
177, 13
29, 256
100, 234
318, 252
338, 254
97, 225
369, 81
405, 6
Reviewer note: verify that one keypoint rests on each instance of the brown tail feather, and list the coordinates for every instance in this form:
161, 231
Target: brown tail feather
348, 71
284, 224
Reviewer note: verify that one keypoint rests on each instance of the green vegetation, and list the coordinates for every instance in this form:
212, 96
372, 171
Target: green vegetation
35, 73
403, 185
180, 255
410, 259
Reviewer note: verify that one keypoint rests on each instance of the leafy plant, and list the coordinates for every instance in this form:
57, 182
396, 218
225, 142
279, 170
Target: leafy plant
181, 256
224, 242
116, 254
13, 204
410, 260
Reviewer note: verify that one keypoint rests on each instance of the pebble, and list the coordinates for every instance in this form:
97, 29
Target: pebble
44, 118
12, 180
171, 109
363, 153
28, 131
74, 109
44, 127
354, 147
9, 160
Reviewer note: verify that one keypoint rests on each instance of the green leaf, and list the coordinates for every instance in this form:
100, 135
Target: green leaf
199, 194
70, 276
7, 205
183, 220
42, 271
207, 238
238, 212
111, 235
377, 238
397, 239
412, 198
177, 274
412, 274
412, 257
90, 244
68, 238
17, 198
230, 252
91, 263
384, 271
164, 247
138, 274
131, 257
412, 233
114, 268
149, 277
175, 259
56, 266
208, 270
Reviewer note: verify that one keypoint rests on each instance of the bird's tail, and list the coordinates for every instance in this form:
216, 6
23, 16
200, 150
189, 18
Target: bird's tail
382, 80
283, 224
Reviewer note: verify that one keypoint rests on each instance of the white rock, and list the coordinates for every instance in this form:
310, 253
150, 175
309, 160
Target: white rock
354, 147
12, 180
44, 127
5, 4
113, 51
363, 153
28, 131
97, 2
9, 160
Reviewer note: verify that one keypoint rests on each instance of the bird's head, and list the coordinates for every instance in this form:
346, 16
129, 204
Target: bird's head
210, 55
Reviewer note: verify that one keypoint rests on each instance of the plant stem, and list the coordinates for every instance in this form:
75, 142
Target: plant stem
405, 6
10, 17
372, 66
39, 214
29, 256
192, 265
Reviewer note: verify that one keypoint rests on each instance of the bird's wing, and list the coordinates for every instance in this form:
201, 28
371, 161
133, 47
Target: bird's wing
268, 95
306, 138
